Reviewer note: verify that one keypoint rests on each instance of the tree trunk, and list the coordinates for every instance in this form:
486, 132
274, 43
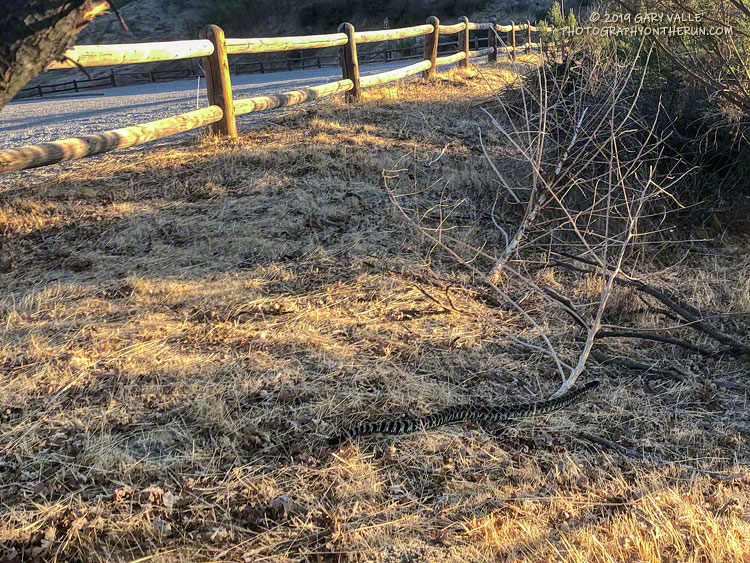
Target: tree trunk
35, 33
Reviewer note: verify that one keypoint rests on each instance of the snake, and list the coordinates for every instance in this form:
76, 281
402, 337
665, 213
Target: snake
480, 414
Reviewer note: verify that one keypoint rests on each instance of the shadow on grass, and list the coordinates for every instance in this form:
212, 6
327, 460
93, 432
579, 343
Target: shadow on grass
195, 323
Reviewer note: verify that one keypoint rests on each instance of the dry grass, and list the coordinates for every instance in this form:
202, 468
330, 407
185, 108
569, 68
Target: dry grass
183, 327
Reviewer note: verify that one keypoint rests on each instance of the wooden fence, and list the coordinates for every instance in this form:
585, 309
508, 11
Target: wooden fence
220, 114
114, 79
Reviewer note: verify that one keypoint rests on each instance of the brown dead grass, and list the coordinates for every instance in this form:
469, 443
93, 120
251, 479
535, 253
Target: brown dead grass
183, 327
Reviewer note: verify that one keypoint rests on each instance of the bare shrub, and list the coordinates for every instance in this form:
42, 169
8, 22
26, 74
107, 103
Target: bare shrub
590, 180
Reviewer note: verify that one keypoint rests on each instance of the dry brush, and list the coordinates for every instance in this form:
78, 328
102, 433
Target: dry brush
588, 193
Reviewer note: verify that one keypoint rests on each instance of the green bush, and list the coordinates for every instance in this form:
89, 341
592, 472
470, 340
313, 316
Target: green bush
696, 86
551, 29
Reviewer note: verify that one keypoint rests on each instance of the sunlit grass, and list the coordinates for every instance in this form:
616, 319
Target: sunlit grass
183, 327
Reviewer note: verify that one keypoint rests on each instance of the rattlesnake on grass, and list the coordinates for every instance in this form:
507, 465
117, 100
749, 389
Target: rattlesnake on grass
461, 413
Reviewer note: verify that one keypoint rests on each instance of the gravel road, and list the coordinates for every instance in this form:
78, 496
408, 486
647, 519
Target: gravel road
43, 120
46, 119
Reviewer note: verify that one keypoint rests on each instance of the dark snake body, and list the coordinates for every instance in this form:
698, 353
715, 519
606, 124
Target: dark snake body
451, 415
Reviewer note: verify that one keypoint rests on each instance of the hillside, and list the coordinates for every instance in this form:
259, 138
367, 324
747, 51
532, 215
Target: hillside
165, 20
147, 20
154, 20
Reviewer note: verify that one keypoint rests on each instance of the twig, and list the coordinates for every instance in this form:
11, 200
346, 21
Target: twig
79, 66
569, 307
731, 385
689, 313
633, 364
611, 445
686, 313
633, 454
548, 348
496, 171
658, 338
116, 10
434, 160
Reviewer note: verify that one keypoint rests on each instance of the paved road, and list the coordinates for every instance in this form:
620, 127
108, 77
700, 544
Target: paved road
42, 120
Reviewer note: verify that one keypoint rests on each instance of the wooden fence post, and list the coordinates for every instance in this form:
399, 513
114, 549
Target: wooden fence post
512, 40
528, 37
218, 85
463, 43
492, 41
431, 46
349, 63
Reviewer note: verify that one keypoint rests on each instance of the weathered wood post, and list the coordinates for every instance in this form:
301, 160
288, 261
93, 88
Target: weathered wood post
512, 40
528, 37
492, 41
218, 85
463, 43
349, 62
431, 46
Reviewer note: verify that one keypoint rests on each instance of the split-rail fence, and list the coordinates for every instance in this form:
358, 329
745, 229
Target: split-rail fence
220, 114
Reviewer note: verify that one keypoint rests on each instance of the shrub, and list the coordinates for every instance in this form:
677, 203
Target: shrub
697, 86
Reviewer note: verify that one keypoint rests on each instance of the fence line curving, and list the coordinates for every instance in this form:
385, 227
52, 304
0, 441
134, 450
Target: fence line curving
220, 114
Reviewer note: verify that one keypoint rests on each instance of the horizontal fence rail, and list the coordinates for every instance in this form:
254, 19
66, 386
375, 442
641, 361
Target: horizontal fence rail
480, 53
274, 44
390, 34
106, 55
449, 59
294, 97
32, 156
515, 27
446, 29
478, 26
393, 75
222, 109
